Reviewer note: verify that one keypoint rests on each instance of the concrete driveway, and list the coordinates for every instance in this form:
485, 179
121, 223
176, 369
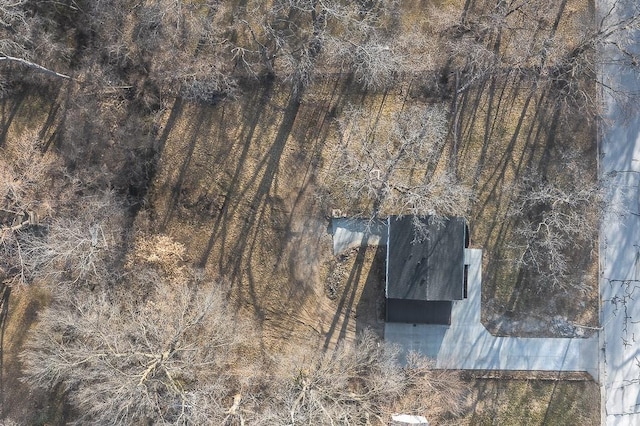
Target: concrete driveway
466, 344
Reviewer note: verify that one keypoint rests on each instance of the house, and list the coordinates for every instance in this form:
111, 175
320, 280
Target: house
425, 276
432, 310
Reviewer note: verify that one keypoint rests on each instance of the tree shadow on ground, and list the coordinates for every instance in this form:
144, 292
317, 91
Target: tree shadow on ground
9, 109
202, 119
29, 104
359, 302
260, 203
542, 401
255, 200
520, 131
226, 210
18, 313
370, 311
5, 293
337, 329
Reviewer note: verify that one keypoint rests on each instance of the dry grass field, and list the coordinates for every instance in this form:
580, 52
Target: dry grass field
249, 204
238, 184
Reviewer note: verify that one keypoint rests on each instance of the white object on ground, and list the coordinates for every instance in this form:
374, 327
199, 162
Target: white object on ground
409, 419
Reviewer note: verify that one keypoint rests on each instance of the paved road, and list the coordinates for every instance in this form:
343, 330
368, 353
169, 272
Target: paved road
466, 344
619, 246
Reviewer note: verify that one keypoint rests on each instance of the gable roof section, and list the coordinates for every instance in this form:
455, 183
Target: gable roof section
431, 270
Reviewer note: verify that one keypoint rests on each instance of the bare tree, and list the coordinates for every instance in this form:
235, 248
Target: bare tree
296, 39
164, 346
77, 249
153, 50
390, 165
347, 386
285, 38
24, 174
548, 47
170, 354
374, 62
54, 225
20, 32
185, 46
555, 222
362, 383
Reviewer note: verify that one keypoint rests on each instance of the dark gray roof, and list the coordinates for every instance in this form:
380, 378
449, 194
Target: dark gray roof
432, 269
419, 311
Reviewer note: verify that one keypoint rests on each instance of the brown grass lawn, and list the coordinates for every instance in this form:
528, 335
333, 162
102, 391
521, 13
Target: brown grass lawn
238, 184
18, 315
508, 136
533, 402
507, 130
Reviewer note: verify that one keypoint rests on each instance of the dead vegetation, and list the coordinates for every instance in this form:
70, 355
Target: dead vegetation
174, 353
539, 402
390, 163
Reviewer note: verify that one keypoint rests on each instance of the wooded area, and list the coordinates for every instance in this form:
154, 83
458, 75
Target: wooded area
167, 167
